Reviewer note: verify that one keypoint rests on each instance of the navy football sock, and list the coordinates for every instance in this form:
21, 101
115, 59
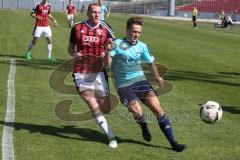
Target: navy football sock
166, 128
140, 120
145, 131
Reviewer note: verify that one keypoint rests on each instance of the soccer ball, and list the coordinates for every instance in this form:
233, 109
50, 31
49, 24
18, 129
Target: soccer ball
211, 112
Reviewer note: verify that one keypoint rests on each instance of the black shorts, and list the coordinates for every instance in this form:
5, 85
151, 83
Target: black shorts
136, 91
194, 18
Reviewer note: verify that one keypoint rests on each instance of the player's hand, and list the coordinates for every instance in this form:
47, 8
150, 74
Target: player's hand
160, 82
55, 23
102, 55
110, 44
79, 54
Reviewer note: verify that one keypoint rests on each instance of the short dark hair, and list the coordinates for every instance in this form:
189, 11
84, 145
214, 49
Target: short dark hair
134, 20
92, 4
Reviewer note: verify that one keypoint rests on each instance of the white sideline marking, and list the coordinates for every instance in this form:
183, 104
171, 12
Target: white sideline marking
7, 136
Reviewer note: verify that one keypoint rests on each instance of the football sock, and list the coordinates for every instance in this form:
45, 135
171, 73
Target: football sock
145, 131
166, 128
30, 46
102, 122
140, 120
49, 47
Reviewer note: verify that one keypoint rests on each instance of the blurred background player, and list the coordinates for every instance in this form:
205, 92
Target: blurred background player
221, 18
131, 84
104, 10
70, 12
41, 12
87, 44
83, 8
194, 16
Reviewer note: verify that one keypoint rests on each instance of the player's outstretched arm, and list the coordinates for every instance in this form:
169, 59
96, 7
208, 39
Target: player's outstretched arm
53, 19
33, 14
158, 78
75, 11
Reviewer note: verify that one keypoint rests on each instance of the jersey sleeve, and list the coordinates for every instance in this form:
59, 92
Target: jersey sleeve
72, 36
147, 56
34, 10
110, 33
49, 10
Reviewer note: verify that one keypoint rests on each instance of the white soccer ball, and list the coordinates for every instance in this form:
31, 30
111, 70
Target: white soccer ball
211, 112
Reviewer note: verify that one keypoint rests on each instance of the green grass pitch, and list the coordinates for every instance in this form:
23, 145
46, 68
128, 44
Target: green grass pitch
203, 64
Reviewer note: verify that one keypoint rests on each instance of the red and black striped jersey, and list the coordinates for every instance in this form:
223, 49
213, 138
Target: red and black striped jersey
70, 9
42, 11
90, 42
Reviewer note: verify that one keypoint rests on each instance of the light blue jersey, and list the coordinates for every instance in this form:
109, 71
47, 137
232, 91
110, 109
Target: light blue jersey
104, 9
126, 64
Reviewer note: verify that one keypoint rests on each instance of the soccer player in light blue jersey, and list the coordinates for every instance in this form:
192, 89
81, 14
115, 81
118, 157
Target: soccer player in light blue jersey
132, 86
103, 10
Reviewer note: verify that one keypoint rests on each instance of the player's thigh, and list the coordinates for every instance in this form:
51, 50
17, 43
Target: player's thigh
38, 31
94, 89
89, 97
105, 104
153, 103
49, 40
101, 85
70, 17
135, 107
34, 40
47, 32
85, 89
83, 83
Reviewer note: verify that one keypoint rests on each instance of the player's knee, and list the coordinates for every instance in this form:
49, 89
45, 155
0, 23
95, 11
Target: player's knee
135, 108
34, 41
158, 112
105, 105
96, 112
49, 41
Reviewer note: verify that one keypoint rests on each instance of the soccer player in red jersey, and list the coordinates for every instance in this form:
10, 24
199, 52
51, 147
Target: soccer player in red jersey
70, 12
87, 44
41, 13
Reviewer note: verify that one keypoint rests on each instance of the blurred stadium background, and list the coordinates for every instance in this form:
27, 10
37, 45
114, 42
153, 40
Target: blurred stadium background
208, 9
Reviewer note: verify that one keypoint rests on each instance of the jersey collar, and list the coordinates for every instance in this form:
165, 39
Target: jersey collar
129, 42
86, 22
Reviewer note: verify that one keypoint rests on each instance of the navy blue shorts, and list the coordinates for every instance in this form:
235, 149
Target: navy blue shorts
136, 91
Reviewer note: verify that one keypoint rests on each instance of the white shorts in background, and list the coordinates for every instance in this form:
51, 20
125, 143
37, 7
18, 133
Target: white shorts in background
45, 31
69, 16
91, 81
